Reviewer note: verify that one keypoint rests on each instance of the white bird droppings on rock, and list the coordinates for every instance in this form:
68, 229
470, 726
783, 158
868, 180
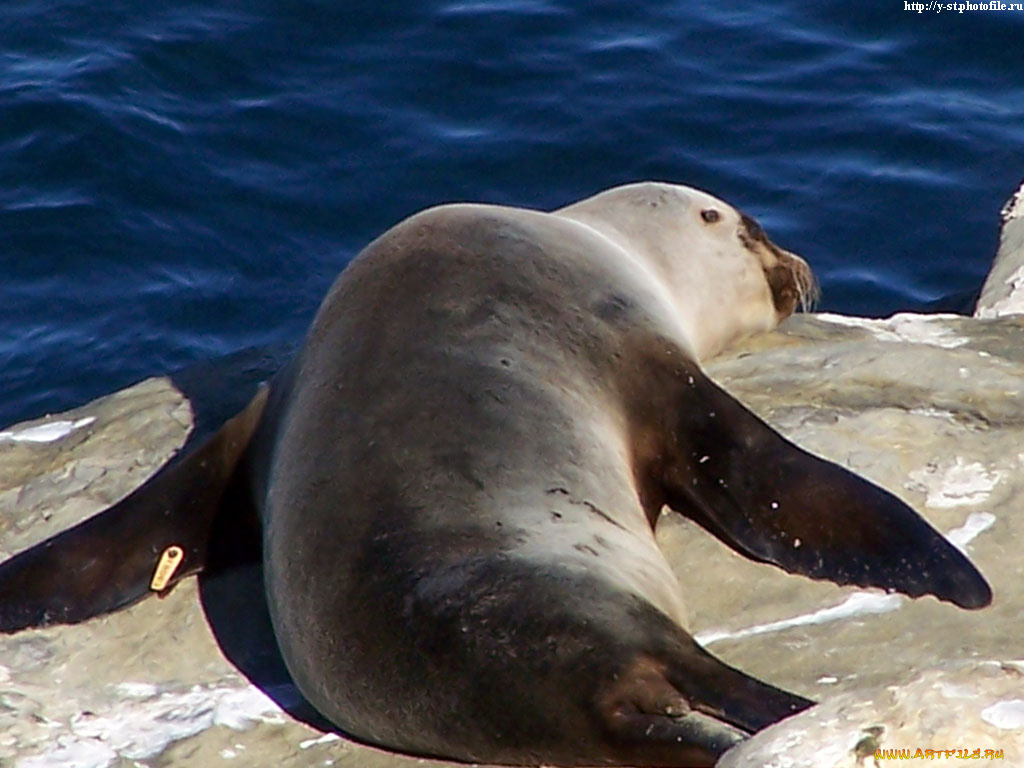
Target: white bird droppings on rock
857, 604
325, 739
46, 433
955, 484
137, 690
143, 723
934, 413
1012, 303
1014, 207
975, 523
72, 753
904, 327
1005, 715
951, 691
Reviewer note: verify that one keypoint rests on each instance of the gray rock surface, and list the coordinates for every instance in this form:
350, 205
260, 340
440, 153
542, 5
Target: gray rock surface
56, 471
974, 711
1003, 292
927, 406
930, 408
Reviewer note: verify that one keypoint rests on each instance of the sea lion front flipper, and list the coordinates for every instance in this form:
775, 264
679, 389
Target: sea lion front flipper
774, 502
149, 540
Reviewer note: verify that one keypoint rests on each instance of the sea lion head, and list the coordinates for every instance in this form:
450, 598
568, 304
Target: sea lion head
725, 277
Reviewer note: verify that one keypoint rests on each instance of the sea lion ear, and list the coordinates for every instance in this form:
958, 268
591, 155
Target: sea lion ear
776, 503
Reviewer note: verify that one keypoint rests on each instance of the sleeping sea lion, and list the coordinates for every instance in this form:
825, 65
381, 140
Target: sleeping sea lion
459, 475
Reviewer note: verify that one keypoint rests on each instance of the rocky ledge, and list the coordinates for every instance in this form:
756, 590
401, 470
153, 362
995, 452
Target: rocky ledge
928, 406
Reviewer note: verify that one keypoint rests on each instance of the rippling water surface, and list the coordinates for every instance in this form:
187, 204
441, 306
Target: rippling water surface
179, 180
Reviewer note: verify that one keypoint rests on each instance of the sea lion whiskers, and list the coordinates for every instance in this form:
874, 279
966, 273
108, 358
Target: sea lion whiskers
792, 282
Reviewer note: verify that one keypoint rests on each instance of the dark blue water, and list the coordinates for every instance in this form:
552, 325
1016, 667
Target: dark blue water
179, 180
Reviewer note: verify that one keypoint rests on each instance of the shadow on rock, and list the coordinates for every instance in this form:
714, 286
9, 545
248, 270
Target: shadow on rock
236, 609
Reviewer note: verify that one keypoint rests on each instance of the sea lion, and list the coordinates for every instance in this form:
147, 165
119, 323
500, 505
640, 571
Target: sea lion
459, 475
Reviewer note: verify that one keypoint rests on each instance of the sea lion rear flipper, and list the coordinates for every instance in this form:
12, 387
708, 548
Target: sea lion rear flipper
685, 707
776, 503
145, 543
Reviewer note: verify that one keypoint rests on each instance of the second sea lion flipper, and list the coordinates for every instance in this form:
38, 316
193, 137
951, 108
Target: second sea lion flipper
151, 539
774, 502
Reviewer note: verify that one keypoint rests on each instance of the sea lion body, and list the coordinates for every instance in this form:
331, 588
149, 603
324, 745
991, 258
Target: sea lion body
459, 476
481, 492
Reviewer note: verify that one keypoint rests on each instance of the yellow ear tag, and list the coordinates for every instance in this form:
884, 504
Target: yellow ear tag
165, 568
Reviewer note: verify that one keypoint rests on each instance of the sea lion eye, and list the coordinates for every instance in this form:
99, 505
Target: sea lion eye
710, 215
